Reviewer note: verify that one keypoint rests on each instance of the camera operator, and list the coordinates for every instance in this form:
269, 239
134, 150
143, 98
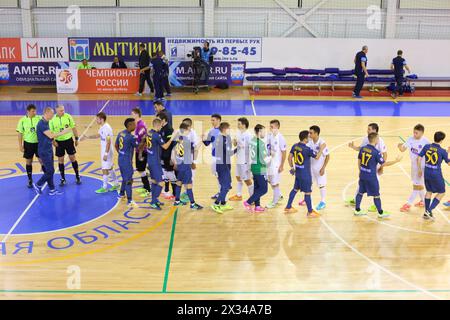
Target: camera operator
202, 59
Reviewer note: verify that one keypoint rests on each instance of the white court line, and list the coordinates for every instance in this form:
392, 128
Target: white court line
253, 106
22, 215
387, 271
45, 185
437, 209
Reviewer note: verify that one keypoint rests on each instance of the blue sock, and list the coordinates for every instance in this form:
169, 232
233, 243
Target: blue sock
308, 202
177, 193
427, 204
128, 191
358, 200
434, 204
377, 202
156, 191
291, 198
122, 188
190, 195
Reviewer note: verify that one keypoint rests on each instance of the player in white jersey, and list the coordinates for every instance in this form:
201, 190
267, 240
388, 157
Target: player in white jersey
380, 146
276, 145
243, 172
318, 166
195, 140
415, 144
105, 133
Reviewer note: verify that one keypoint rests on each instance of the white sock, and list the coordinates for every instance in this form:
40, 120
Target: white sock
413, 196
240, 184
323, 194
250, 189
105, 181
422, 195
113, 176
276, 194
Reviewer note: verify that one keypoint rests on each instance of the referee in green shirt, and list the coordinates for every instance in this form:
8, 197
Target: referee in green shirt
65, 143
28, 141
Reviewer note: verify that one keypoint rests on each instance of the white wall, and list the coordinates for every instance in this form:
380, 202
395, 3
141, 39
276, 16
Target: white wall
426, 57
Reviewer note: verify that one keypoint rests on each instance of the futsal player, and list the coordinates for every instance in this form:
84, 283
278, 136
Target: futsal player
195, 142
105, 133
28, 140
243, 172
380, 146
45, 150
209, 139
65, 143
154, 143
434, 154
159, 107
259, 158
141, 152
369, 158
276, 145
415, 145
182, 158
125, 146
300, 162
224, 151
168, 169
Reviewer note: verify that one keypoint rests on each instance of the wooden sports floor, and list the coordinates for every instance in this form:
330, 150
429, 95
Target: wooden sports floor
89, 247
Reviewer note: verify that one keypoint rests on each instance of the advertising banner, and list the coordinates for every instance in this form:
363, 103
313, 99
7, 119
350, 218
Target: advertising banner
10, 50
223, 49
27, 74
44, 49
97, 80
105, 49
182, 73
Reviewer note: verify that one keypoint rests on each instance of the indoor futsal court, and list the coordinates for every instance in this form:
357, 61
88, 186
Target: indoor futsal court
82, 244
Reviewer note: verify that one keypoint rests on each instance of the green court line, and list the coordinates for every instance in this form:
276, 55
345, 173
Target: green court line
219, 292
446, 182
169, 253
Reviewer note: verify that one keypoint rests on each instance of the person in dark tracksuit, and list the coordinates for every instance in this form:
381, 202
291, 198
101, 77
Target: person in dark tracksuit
360, 71
144, 66
398, 65
45, 151
158, 75
166, 82
224, 151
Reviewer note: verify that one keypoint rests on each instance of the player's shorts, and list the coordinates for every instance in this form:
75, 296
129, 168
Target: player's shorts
30, 150
126, 172
243, 171
169, 175
371, 187
109, 163
320, 181
156, 172
415, 178
435, 184
303, 185
66, 146
141, 164
185, 176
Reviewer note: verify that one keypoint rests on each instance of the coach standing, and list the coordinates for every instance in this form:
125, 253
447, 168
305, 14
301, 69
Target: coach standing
144, 66
45, 150
158, 75
360, 71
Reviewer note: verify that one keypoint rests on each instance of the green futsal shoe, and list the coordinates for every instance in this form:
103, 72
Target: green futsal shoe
101, 190
351, 202
145, 194
383, 215
217, 208
114, 188
184, 197
226, 206
359, 213
140, 190
373, 208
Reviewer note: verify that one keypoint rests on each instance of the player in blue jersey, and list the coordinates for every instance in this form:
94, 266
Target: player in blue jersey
182, 159
155, 143
210, 138
434, 154
368, 160
300, 162
125, 145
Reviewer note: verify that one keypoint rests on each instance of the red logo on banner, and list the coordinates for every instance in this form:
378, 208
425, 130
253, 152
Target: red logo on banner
10, 50
65, 76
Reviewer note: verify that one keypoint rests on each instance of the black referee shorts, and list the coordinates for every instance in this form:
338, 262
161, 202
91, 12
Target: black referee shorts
66, 146
30, 150
141, 164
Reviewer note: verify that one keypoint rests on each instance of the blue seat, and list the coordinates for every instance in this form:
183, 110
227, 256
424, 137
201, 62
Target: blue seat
346, 72
332, 70
380, 71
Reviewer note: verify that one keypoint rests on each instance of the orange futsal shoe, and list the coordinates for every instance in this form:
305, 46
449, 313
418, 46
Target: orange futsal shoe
406, 207
313, 214
420, 204
235, 198
290, 210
